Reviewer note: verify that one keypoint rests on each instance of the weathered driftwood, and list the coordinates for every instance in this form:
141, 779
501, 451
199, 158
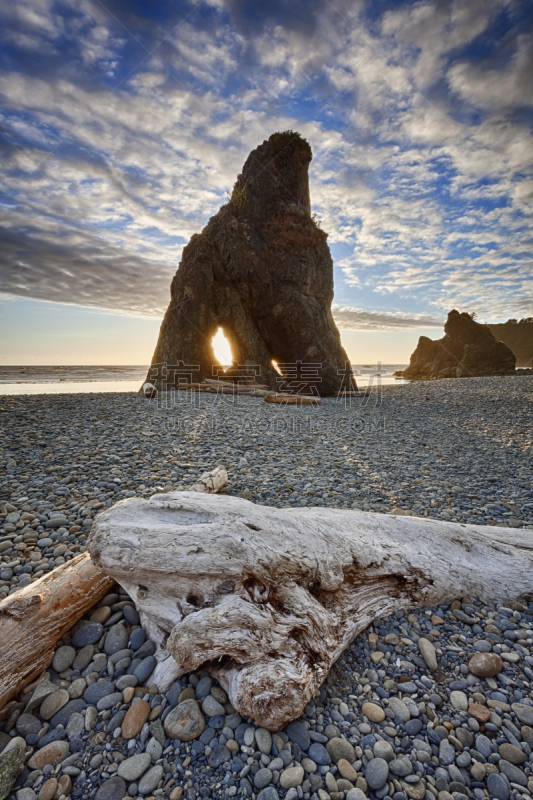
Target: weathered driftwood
149, 390
34, 619
211, 482
292, 399
267, 599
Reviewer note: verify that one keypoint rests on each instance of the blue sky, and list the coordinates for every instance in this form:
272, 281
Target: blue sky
123, 125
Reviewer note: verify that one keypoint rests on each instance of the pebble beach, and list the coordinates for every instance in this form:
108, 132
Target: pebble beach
405, 713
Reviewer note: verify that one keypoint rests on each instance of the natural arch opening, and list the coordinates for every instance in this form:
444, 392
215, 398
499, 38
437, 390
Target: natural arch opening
222, 349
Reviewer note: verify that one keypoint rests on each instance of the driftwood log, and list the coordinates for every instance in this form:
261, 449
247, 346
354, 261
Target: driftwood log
35, 618
267, 599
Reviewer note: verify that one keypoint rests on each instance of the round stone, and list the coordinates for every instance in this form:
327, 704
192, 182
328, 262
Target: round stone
374, 713
88, 634
53, 703
478, 771
219, 694
145, 669
116, 639
356, 794
219, 755
48, 789
77, 688
211, 707
339, 748
109, 701
63, 658
512, 753
53, 753
399, 709
291, 777
298, 734
497, 787
527, 734
27, 724
383, 750
345, 769
262, 778
479, 712
270, 793
459, 700
514, 774
264, 740
26, 794
202, 688
63, 715
415, 791
101, 615
149, 782
428, 653
319, 754
376, 773
185, 722
137, 639
64, 785
136, 716
132, 768
93, 694
130, 615
523, 712
76, 726
84, 657
446, 753
413, 726
483, 745
112, 789
485, 665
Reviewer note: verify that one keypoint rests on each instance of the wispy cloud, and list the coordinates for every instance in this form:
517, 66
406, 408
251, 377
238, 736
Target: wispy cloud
357, 319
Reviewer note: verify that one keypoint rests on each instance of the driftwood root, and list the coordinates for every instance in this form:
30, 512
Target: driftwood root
267, 599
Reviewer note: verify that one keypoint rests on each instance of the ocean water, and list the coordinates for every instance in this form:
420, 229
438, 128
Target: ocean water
75, 380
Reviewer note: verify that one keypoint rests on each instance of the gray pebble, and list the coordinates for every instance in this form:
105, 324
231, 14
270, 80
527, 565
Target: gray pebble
262, 778
116, 639
88, 634
112, 789
212, 707
376, 773
132, 768
149, 781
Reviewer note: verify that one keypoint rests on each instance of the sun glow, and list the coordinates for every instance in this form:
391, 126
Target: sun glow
222, 348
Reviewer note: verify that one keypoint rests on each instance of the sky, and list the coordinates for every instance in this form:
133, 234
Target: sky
123, 125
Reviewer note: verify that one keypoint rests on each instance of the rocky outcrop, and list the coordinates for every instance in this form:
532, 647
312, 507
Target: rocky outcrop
467, 350
518, 336
262, 271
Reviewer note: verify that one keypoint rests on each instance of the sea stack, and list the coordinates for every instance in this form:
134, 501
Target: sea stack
261, 270
468, 349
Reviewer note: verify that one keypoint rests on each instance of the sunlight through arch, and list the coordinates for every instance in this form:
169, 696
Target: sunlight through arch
222, 349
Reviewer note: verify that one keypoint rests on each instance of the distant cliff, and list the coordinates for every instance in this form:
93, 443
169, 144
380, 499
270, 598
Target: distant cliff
467, 349
518, 336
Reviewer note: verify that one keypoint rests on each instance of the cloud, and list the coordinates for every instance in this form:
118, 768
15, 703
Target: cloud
357, 319
122, 128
